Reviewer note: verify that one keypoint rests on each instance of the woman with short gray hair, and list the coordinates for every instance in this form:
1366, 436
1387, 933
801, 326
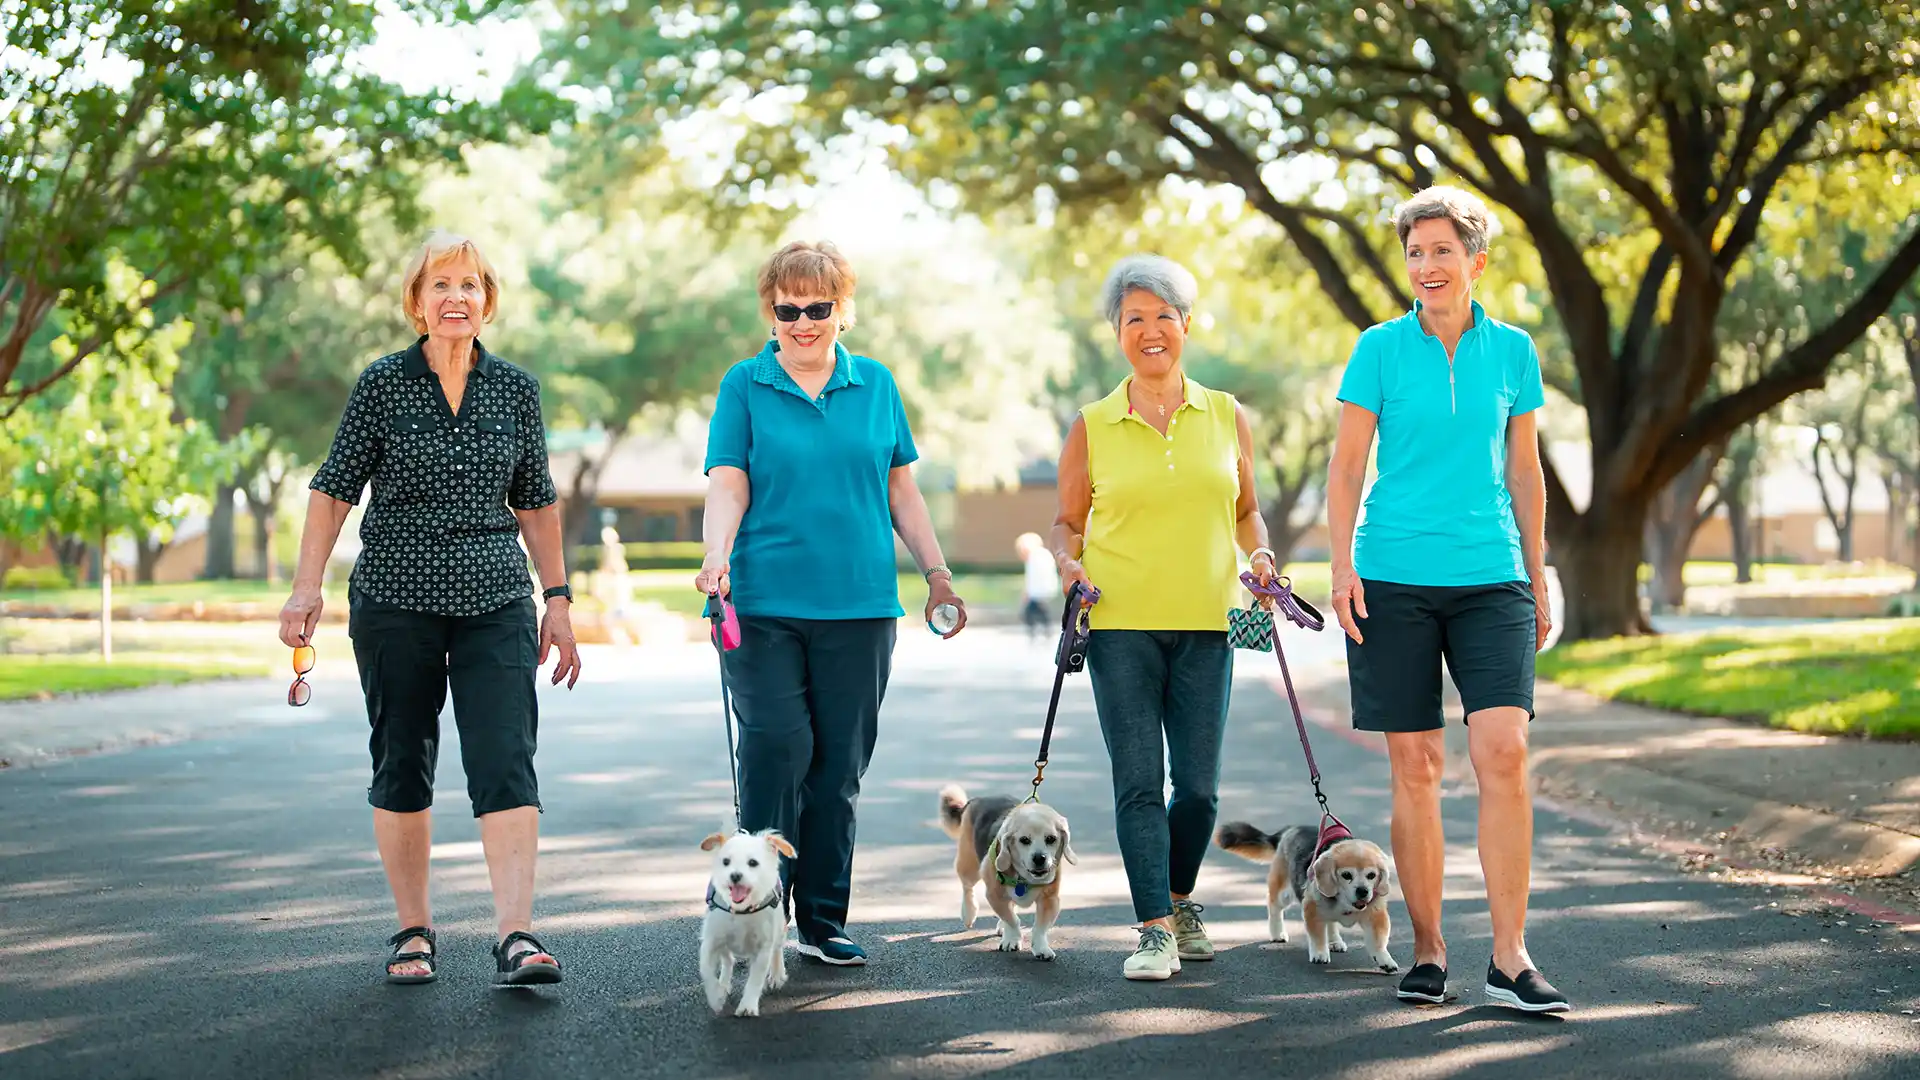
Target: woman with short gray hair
1450, 565
1156, 490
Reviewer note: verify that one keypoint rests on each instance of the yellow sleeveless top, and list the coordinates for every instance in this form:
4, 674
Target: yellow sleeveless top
1159, 542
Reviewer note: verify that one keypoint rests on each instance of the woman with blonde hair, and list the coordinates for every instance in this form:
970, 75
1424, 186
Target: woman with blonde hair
809, 475
451, 440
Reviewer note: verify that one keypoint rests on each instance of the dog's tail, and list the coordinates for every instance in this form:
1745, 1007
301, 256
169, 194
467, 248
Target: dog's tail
1246, 841
953, 801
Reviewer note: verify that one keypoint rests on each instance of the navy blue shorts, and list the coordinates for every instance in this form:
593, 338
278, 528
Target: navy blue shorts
1485, 634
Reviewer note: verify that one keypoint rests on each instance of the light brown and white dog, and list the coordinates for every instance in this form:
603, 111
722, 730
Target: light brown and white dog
1347, 885
1017, 848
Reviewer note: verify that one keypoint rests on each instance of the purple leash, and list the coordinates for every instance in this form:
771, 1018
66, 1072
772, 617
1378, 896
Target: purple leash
1306, 617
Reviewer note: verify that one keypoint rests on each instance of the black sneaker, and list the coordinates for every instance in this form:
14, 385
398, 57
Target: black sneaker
1531, 992
1426, 982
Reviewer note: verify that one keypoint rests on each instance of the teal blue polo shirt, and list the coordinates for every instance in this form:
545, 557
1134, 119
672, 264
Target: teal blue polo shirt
1439, 512
817, 539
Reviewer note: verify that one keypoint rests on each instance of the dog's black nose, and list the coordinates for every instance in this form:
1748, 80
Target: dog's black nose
1360, 894
734, 877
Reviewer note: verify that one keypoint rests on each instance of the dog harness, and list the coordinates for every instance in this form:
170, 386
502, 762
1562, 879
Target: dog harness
713, 901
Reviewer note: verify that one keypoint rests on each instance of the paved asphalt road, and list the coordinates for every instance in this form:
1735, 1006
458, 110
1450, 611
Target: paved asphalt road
214, 909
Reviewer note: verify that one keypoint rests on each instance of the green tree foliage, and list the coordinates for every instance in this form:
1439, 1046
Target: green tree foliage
195, 139
1639, 150
107, 454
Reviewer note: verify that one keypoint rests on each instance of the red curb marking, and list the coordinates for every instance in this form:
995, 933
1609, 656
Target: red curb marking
1375, 742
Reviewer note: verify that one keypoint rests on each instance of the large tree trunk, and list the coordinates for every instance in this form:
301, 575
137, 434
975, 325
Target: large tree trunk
219, 565
1740, 527
147, 559
71, 553
1672, 523
262, 508
1599, 574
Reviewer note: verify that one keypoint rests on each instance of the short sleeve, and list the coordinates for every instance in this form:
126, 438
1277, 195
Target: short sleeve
357, 444
729, 435
1530, 393
904, 452
532, 484
1360, 383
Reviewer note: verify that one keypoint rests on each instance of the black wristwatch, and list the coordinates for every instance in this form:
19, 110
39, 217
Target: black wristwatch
559, 590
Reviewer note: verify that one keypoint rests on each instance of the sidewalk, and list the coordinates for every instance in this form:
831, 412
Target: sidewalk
1844, 807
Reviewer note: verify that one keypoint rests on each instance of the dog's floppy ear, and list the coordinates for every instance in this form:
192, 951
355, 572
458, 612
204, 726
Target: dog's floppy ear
1066, 843
779, 843
713, 841
1323, 871
1003, 859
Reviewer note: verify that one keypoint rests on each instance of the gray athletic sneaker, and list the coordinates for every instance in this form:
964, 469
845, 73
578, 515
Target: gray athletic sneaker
1156, 957
1189, 933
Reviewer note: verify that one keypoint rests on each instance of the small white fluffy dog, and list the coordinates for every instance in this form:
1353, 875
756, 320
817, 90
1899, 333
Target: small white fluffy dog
1347, 885
1017, 848
744, 919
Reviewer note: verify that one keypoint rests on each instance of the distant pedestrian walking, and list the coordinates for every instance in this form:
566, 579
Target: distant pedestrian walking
1041, 596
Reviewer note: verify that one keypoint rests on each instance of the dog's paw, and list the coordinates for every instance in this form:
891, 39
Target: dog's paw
776, 978
747, 1008
1009, 944
1337, 945
1043, 951
1315, 956
1389, 966
717, 1001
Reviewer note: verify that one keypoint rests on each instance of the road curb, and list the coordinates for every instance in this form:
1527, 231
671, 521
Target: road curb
1776, 824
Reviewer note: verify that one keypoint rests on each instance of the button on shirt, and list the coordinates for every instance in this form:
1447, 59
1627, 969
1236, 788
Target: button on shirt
439, 534
1439, 512
817, 538
1159, 543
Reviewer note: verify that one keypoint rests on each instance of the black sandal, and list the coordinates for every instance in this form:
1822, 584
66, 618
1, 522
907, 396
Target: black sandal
433, 946
518, 969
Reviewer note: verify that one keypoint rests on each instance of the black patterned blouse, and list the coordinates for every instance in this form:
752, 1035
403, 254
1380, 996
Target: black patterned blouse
438, 535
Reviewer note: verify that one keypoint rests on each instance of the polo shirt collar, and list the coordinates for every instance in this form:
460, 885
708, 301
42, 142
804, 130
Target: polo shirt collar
415, 364
1115, 406
1479, 316
767, 369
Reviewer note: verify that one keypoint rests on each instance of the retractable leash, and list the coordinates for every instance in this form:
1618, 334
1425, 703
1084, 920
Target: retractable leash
1071, 656
726, 638
1306, 617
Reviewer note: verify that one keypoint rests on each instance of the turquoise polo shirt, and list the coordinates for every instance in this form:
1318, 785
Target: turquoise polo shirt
1439, 512
817, 539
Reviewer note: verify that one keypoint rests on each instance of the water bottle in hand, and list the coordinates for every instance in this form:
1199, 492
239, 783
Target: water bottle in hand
945, 617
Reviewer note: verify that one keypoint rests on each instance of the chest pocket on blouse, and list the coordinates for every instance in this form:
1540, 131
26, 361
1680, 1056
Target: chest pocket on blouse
493, 446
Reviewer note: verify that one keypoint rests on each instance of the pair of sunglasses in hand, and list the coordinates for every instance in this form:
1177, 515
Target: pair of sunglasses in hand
301, 691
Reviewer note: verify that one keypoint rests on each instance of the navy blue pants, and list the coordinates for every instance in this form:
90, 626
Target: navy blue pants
808, 693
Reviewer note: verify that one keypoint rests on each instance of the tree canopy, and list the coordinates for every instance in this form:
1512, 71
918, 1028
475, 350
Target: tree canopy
1636, 151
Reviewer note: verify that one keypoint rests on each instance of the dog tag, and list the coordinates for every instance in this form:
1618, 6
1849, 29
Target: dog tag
1020, 889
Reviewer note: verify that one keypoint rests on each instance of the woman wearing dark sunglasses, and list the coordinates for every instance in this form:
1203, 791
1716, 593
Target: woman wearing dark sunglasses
809, 475
450, 438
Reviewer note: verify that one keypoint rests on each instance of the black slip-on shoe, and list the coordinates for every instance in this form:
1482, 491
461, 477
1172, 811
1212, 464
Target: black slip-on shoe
1530, 992
1425, 982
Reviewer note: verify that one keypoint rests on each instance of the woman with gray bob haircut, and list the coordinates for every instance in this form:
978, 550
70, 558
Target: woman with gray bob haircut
1168, 280
1156, 491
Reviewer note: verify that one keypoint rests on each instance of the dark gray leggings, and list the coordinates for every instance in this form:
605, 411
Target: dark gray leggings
1155, 687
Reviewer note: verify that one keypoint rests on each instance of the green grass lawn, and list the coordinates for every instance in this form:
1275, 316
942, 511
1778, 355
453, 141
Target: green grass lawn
184, 592
31, 676
1852, 677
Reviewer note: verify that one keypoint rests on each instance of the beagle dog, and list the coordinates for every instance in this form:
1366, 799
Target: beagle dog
1017, 848
1347, 885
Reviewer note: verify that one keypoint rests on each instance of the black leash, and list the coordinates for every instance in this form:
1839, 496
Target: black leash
1071, 656
716, 613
